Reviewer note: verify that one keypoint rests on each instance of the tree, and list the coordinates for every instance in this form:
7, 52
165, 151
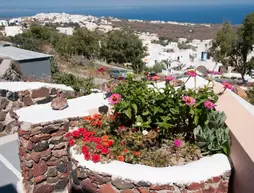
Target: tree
233, 47
123, 46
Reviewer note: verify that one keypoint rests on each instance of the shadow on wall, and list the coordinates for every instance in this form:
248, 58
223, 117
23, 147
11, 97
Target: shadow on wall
8, 189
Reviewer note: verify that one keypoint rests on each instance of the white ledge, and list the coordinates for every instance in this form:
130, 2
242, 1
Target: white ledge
20, 86
196, 171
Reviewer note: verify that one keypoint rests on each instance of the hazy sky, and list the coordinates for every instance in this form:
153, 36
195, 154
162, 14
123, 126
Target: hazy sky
63, 3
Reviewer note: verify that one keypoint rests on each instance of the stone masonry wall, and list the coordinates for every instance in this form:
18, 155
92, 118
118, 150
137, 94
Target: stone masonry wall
43, 156
16, 100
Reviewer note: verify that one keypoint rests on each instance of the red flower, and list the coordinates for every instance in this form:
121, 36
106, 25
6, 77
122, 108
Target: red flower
67, 134
110, 142
86, 139
105, 150
88, 118
125, 150
112, 117
75, 133
120, 158
96, 116
101, 69
85, 149
122, 142
136, 153
96, 158
97, 140
122, 128
93, 123
81, 130
87, 157
99, 123
71, 142
99, 147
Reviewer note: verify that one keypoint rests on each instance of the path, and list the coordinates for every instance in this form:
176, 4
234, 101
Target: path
9, 164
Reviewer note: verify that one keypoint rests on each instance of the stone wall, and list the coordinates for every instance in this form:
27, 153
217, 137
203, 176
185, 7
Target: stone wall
47, 167
43, 156
11, 101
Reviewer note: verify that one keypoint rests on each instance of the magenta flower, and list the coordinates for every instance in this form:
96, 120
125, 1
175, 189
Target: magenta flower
101, 69
209, 104
114, 99
192, 73
227, 85
177, 142
169, 78
189, 100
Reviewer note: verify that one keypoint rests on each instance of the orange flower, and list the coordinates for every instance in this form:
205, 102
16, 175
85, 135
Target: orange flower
125, 150
110, 142
104, 138
105, 144
120, 158
88, 118
136, 153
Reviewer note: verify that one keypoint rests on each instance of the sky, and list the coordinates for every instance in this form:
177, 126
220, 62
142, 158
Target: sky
96, 3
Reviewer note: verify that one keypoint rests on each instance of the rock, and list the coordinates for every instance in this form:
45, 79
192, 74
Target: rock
52, 180
100, 179
143, 190
134, 191
43, 188
37, 155
103, 109
59, 103
27, 101
39, 169
59, 153
88, 186
45, 100
107, 188
74, 177
2, 115
50, 129
1, 127
53, 161
61, 185
52, 172
39, 179
40, 137
195, 186
142, 184
240, 92
28, 164
121, 184
53, 91
56, 140
63, 175
12, 96
3, 102
40, 146
62, 168
59, 146
81, 174
3, 92
41, 92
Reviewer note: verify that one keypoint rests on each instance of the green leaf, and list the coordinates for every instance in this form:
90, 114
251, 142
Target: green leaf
127, 112
196, 119
134, 106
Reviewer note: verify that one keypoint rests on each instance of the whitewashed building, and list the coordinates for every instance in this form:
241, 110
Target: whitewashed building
3, 23
65, 30
13, 30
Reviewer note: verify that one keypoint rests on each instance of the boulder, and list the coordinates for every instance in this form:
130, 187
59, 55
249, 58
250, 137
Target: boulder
240, 92
9, 71
59, 103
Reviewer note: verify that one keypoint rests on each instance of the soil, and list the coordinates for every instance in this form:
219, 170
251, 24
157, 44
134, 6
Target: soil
174, 31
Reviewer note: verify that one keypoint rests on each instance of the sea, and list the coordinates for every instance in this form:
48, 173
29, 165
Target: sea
212, 14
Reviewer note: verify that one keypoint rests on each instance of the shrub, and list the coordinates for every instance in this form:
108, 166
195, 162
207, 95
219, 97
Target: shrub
250, 94
81, 85
158, 67
183, 46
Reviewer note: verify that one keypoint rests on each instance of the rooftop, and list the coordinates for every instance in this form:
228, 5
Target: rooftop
18, 54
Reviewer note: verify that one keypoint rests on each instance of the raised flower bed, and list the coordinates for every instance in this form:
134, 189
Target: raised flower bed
155, 140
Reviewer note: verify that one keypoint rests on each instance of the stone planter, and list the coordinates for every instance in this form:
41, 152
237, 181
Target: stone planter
208, 175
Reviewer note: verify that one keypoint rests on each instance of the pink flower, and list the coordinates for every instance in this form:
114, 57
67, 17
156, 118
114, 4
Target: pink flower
101, 69
114, 98
192, 73
227, 85
155, 78
177, 142
209, 104
169, 78
189, 100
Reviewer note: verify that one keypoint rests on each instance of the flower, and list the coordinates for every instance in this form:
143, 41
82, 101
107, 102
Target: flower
105, 150
99, 147
114, 99
96, 116
192, 73
75, 133
105, 144
104, 138
98, 123
67, 134
189, 100
71, 142
136, 153
101, 69
155, 78
227, 85
122, 128
125, 150
120, 158
169, 78
87, 157
88, 118
110, 142
97, 140
96, 158
122, 142
144, 132
209, 104
177, 142
81, 130
85, 149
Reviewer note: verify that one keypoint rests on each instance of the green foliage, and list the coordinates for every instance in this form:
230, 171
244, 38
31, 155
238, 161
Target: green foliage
183, 46
122, 46
151, 108
213, 137
250, 93
158, 67
24, 42
81, 85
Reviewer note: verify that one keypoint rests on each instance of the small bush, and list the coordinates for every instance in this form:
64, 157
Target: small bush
183, 46
158, 67
250, 94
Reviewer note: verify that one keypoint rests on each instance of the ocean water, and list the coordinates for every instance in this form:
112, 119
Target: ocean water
215, 14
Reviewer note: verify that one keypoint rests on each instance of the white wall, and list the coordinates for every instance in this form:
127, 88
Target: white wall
13, 30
